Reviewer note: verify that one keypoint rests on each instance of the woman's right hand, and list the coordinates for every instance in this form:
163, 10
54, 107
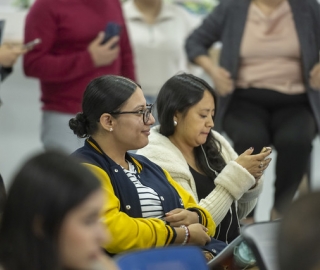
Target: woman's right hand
9, 55
254, 164
222, 80
103, 54
198, 234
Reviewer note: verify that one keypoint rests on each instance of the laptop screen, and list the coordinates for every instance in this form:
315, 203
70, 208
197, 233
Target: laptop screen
225, 259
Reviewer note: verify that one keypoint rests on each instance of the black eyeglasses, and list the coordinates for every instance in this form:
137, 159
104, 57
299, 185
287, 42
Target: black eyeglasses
146, 113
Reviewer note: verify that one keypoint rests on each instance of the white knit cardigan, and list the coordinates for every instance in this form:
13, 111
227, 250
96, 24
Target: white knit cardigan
232, 184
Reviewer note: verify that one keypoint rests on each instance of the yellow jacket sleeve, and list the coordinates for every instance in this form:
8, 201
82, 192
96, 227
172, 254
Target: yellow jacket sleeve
189, 202
129, 233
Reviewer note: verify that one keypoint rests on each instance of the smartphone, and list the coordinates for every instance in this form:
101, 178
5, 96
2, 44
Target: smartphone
31, 44
265, 149
112, 29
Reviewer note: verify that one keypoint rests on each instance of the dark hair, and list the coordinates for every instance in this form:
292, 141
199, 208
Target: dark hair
179, 94
45, 189
299, 235
104, 94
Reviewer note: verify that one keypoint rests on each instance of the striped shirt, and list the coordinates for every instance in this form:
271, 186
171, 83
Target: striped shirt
149, 199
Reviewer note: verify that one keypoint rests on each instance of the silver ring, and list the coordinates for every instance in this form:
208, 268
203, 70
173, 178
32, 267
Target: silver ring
261, 164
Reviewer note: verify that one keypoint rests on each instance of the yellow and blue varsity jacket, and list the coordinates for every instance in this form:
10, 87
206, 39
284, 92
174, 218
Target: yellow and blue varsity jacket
122, 214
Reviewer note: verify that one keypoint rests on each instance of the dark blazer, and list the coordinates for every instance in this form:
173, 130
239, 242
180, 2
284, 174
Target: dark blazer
226, 24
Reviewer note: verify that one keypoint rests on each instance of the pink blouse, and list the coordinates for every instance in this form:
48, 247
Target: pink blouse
270, 54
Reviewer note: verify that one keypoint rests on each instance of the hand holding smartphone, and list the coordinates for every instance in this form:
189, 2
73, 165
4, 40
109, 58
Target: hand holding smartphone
265, 149
112, 29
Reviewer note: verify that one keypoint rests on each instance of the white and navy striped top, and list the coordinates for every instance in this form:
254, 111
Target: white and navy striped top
149, 199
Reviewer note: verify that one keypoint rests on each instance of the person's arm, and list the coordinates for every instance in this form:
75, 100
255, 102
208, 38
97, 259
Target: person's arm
162, 152
8, 57
209, 32
190, 204
127, 232
135, 233
249, 198
42, 22
202, 39
219, 200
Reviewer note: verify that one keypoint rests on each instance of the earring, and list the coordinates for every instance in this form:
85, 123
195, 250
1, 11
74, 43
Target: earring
111, 129
175, 123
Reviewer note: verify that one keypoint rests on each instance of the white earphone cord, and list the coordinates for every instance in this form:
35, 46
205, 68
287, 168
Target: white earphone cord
216, 173
205, 156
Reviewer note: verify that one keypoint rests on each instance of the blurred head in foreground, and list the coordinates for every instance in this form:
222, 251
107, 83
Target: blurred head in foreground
51, 218
299, 235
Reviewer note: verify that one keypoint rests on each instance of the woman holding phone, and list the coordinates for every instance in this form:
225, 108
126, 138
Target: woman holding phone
200, 159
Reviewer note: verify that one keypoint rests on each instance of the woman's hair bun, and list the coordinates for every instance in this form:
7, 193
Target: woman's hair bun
79, 125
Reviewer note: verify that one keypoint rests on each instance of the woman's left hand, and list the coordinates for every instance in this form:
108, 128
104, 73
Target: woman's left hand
179, 216
315, 77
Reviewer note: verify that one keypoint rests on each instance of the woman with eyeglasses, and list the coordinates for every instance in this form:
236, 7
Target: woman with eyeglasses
146, 207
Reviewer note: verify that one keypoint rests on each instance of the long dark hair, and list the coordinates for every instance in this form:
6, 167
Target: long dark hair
45, 189
104, 94
179, 94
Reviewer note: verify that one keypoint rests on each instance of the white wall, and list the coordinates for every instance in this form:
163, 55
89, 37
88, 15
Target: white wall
14, 24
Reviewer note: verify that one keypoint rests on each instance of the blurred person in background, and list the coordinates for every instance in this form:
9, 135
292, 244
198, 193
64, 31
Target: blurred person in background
51, 218
70, 55
268, 80
158, 31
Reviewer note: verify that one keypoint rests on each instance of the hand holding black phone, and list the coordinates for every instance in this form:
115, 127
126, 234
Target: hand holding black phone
112, 29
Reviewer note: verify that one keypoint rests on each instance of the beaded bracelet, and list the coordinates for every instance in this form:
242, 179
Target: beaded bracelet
187, 237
